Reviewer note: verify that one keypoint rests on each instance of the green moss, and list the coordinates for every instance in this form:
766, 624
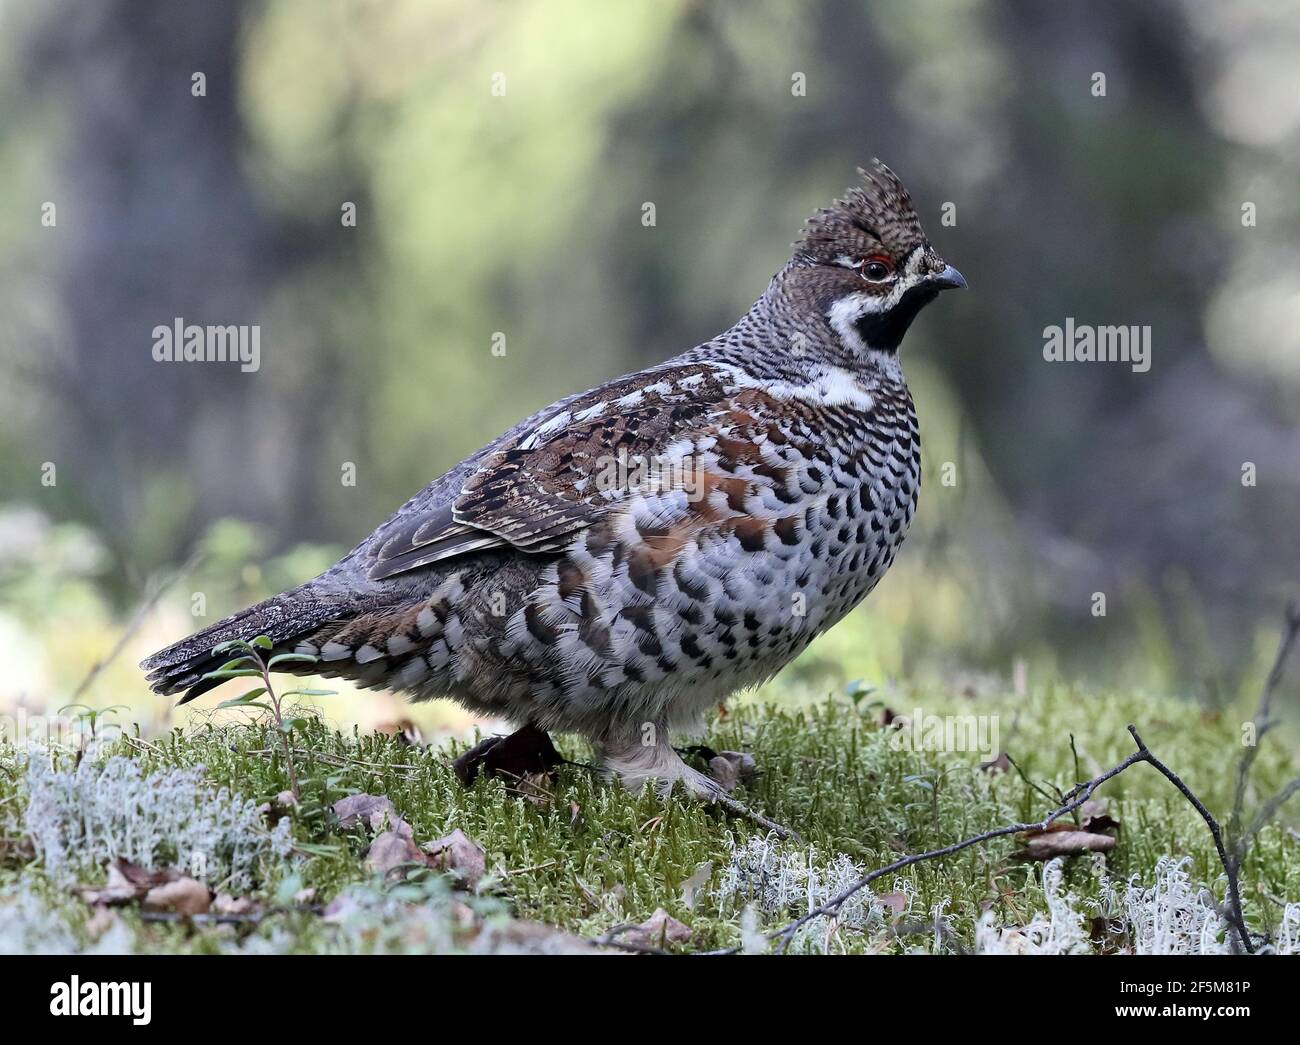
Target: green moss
593, 856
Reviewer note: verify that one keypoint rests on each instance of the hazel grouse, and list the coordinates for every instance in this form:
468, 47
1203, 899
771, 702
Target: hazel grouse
626, 558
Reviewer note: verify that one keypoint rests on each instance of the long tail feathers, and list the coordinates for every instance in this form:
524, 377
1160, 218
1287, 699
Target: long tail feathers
283, 619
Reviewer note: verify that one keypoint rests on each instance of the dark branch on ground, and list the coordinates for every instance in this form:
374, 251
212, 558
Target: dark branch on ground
1080, 793
1239, 840
739, 809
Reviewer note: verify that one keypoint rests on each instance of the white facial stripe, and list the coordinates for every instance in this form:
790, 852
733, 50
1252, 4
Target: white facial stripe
845, 313
843, 317
847, 310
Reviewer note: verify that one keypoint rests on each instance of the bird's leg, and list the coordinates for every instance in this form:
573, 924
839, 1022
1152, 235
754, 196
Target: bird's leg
648, 756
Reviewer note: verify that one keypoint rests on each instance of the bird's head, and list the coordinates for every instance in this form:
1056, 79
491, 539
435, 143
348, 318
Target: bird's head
867, 265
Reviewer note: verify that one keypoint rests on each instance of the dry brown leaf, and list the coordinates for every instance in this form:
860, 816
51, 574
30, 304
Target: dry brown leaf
659, 929
535, 788
127, 882
464, 915
542, 937
457, 854
1095, 817
731, 768
404, 731
1001, 764
391, 850
1062, 840
185, 895
374, 811
724, 774
233, 905
278, 808
895, 902
117, 891
692, 887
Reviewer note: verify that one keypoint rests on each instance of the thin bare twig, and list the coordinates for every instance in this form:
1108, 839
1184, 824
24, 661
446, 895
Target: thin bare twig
1230, 868
154, 590
1269, 809
1029, 783
529, 870
248, 918
1290, 631
1077, 795
1263, 722
1073, 799
140, 743
611, 939
340, 760
739, 809
1080, 793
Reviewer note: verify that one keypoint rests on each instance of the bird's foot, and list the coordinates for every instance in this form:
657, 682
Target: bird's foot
635, 763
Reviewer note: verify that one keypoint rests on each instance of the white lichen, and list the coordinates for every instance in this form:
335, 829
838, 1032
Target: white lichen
1288, 932
426, 916
771, 880
1169, 916
29, 924
79, 818
1059, 930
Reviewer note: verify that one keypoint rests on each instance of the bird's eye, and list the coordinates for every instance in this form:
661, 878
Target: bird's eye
876, 269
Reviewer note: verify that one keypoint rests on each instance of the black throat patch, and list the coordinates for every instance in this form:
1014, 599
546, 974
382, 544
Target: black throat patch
885, 330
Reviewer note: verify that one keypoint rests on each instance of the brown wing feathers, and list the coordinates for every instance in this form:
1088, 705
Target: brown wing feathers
537, 492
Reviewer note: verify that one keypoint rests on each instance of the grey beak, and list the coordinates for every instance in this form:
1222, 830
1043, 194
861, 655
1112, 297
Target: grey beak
948, 279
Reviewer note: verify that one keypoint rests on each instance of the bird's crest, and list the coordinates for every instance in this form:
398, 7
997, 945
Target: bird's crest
879, 208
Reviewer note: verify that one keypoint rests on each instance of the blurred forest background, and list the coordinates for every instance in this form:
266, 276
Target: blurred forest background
520, 212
